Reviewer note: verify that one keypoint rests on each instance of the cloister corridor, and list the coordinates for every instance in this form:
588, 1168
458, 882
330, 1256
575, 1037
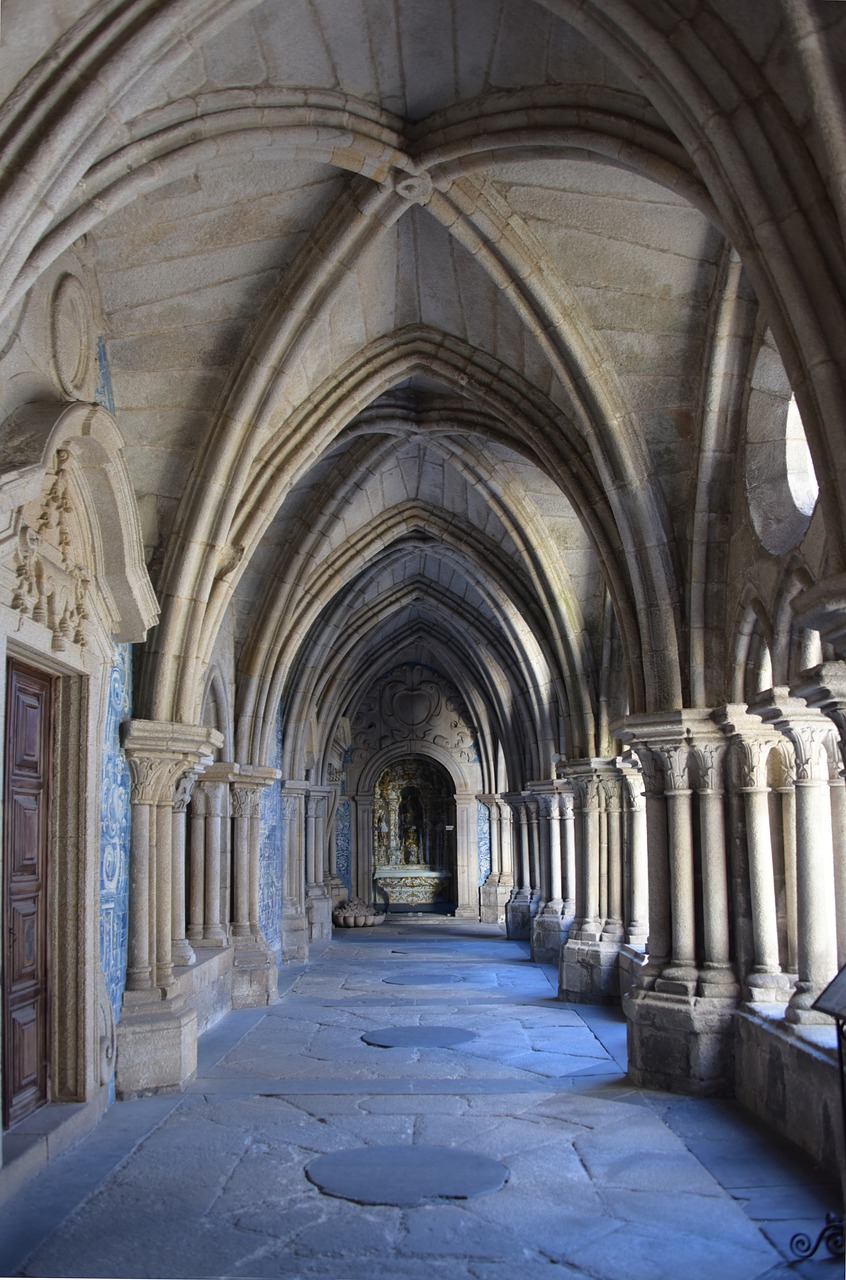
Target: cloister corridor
603, 1181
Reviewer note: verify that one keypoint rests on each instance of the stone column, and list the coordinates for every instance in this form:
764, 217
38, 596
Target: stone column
682, 975
518, 910
637, 913
824, 687
183, 952
525, 890
157, 1033
539, 890
318, 901
659, 942
556, 878
568, 857
680, 1033
636, 880
215, 932
589, 965
612, 929
751, 749
197, 858
506, 845
590, 926
254, 976
813, 741
467, 858
244, 799
838, 827
494, 893
548, 924
787, 793
717, 976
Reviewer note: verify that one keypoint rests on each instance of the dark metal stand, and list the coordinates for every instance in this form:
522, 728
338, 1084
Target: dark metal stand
831, 1236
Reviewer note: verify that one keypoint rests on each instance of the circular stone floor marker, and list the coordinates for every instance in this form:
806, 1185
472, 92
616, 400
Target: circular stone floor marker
427, 979
405, 1175
417, 1037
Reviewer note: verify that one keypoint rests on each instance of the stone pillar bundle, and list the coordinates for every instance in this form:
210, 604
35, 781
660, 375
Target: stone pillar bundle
318, 900
686, 992
589, 961
815, 746
156, 1032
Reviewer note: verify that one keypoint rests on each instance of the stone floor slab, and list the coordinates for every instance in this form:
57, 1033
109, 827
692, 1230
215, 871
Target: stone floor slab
406, 1175
420, 1037
606, 1182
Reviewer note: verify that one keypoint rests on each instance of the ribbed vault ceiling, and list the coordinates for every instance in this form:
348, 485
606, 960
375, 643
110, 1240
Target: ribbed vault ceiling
408, 306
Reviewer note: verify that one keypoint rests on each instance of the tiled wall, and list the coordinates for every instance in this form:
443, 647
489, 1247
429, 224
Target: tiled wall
270, 854
483, 825
343, 840
114, 829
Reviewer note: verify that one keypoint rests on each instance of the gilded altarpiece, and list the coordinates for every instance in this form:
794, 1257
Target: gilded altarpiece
414, 857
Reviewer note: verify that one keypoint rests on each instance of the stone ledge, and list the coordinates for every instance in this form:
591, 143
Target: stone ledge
30, 1144
787, 1076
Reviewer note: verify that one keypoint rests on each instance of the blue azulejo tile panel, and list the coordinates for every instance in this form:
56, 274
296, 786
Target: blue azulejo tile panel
103, 395
483, 825
114, 829
270, 854
343, 841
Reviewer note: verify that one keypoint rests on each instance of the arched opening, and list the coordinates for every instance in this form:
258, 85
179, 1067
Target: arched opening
414, 836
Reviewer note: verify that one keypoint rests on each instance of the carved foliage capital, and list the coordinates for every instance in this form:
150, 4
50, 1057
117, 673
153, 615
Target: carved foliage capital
244, 799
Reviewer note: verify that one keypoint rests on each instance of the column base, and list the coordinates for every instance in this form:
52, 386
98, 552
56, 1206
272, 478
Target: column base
156, 1045
549, 933
493, 896
770, 988
254, 975
682, 1044
336, 889
799, 1011
294, 937
678, 980
319, 913
588, 971
182, 953
518, 919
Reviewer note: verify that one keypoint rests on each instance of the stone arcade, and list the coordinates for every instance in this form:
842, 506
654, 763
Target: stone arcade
423, 461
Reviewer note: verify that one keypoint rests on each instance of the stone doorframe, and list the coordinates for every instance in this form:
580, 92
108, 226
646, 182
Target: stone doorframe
467, 834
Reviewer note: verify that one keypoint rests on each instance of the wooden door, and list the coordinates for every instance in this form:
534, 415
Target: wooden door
26, 794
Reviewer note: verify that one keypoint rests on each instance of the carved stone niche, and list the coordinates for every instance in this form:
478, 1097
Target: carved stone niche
71, 554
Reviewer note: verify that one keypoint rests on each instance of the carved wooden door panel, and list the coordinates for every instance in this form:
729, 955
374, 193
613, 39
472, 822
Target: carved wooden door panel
26, 792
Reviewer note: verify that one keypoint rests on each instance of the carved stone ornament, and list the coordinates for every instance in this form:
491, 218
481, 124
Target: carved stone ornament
105, 1029
184, 790
412, 704
50, 588
72, 339
676, 767
244, 800
752, 755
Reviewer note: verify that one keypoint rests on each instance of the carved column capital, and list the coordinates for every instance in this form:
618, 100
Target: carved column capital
184, 790
244, 798
810, 733
160, 752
